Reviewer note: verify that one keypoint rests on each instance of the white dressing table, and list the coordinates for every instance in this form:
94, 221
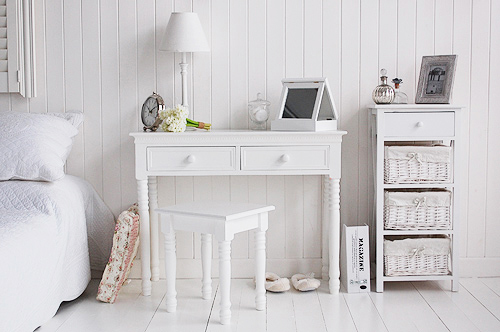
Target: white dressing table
202, 153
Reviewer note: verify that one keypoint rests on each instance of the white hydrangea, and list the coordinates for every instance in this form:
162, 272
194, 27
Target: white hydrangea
174, 119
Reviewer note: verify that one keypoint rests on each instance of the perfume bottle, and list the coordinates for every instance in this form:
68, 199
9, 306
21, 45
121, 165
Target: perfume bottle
383, 93
258, 110
399, 97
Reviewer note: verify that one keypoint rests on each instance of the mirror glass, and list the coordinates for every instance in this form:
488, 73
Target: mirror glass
299, 103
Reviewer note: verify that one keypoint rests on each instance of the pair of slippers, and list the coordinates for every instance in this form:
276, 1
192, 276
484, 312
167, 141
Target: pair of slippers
301, 282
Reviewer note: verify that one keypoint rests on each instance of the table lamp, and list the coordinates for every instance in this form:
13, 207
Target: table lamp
184, 34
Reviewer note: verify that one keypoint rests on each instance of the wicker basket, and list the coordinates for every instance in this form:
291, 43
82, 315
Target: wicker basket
417, 256
414, 210
417, 164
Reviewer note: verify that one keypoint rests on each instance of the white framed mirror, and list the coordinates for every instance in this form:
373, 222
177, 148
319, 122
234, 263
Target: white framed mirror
306, 105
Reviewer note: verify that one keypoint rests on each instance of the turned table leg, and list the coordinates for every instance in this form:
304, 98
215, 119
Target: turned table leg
153, 204
260, 269
225, 281
142, 194
334, 236
206, 266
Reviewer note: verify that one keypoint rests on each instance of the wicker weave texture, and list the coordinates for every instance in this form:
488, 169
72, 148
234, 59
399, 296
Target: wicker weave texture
414, 171
413, 218
415, 265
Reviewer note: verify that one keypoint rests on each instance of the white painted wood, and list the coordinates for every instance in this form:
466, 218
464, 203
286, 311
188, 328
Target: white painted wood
484, 294
420, 124
364, 313
449, 313
334, 236
239, 193
492, 247
349, 55
338, 316
225, 281
206, 262
480, 54
312, 217
170, 266
155, 234
260, 267
289, 157
476, 311
294, 211
144, 236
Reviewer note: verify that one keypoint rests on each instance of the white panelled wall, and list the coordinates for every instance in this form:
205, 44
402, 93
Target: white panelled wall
100, 56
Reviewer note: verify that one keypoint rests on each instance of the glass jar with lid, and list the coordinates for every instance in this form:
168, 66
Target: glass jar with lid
258, 111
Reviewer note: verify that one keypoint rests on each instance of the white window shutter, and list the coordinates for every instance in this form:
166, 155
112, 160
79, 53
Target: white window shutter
17, 47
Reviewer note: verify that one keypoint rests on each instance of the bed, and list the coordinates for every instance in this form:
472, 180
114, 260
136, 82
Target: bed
52, 233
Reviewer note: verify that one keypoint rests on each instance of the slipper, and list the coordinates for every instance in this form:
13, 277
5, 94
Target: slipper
276, 284
305, 282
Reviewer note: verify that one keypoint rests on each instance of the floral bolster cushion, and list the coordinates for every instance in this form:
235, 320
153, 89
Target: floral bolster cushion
125, 244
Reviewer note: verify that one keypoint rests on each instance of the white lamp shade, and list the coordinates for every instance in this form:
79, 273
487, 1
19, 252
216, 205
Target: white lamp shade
184, 33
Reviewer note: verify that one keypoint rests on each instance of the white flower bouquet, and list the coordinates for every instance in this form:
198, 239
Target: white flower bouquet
176, 120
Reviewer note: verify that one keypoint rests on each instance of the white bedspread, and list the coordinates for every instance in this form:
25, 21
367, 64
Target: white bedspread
46, 231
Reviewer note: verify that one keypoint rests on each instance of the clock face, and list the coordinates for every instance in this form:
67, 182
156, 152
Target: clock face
149, 111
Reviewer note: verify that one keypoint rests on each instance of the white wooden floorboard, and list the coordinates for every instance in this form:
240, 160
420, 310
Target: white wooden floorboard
402, 308
280, 313
192, 311
308, 315
335, 312
364, 313
484, 294
449, 313
131, 311
478, 314
493, 284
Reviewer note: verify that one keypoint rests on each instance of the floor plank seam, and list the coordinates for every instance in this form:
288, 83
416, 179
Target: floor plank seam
156, 310
350, 313
378, 312
494, 291
322, 312
479, 301
430, 306
211, 308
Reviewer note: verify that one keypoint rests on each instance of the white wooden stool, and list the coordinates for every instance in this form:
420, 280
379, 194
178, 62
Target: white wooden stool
222, 219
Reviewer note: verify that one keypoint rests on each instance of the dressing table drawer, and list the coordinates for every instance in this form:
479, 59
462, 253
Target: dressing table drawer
191, 158
257, 158
430, 124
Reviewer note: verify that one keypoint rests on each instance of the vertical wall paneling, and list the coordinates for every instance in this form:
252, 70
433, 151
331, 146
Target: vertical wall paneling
202, 89
406, 47
55, 55
73, 83
294, 220
443, 30
110, 109
220, 64
238, 64
478, 127
128, 103
257, 193
275, 53
388, 41
239, 193
276, 233
350, 110
294, 38
92, 93
256, 50
462, 12
369, 77
166, 68
39, 103
102, 58
493, 184
424, 44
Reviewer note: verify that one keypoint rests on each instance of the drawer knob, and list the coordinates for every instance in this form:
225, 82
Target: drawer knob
420, 124
191, 159
285, 158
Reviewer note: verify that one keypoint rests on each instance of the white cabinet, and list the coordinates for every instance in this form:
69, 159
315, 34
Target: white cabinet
414, 126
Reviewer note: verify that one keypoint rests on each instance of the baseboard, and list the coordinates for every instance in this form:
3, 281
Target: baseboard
243, 268
480, 267
240, 268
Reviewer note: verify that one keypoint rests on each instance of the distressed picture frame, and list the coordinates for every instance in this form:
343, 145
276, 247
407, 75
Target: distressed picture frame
436, 78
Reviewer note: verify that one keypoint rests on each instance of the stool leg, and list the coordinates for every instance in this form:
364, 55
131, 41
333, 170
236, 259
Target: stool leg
225, 281
260, 270
170, 269
206, 266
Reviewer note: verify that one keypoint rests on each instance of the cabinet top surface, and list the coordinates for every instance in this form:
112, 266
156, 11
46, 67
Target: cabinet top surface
414, 107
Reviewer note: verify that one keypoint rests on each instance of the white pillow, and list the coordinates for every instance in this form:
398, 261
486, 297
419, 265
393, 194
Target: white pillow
34, 146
